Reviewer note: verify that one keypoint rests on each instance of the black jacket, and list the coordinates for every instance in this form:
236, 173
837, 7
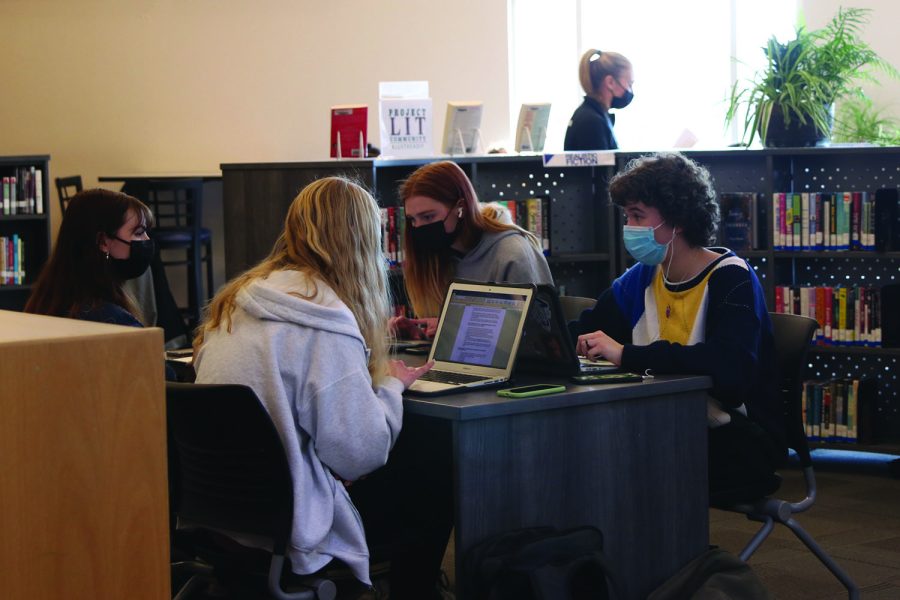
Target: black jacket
591, 128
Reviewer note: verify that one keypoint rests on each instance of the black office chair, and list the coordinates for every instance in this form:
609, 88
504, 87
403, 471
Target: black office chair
573, 306
228, 472
66, 187
793, 334
177, 206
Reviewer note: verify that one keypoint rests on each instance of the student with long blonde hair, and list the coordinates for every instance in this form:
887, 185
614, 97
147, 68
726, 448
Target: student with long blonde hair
305, 328
449, 235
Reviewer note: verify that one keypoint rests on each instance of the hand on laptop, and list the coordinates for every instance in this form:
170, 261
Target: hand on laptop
599, 345
406, 374
413, 329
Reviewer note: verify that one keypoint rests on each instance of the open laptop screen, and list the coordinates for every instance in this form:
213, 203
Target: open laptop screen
479, 328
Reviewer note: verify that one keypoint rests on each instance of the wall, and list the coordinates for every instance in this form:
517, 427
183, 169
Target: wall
109, 87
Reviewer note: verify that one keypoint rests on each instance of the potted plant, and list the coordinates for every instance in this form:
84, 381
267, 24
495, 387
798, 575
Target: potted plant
790, 102
858, 120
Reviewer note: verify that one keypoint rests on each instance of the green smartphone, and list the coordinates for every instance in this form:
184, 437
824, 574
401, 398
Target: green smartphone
597, 378
527, 391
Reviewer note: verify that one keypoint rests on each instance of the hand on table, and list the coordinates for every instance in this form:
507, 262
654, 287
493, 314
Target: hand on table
407, 374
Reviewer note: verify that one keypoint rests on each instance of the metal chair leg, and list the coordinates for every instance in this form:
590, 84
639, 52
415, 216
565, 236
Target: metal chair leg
852, 589
759, 538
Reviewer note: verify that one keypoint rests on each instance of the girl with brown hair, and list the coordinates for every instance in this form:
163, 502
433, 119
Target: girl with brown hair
449, 235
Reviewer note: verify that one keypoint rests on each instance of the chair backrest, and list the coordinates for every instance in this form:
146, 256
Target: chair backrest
176, 203
573, 306
227, 465
793, 334
66, 187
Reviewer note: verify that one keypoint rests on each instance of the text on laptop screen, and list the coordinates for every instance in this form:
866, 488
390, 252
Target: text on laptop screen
479, 328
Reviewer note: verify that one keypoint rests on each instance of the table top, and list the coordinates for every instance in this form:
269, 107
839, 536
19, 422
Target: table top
479, 404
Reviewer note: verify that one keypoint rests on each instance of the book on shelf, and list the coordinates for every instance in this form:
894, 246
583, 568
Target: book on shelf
739, 222
349, 130
533, 215
838, 409
847, 315
393, 229
462, 127
405, 119
824, 220
885, 219
531, 130
12, 260
22, 192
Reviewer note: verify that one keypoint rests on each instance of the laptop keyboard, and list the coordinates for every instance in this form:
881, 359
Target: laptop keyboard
447, 377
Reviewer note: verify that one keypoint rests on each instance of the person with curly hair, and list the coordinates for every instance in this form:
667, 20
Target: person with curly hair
686, 308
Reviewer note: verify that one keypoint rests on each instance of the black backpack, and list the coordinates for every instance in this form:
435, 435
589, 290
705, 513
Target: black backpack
541, 563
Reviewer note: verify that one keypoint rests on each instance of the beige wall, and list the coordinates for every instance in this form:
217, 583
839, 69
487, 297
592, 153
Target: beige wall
124, 86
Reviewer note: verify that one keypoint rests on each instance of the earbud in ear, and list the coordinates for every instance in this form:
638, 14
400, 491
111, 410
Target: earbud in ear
459, 214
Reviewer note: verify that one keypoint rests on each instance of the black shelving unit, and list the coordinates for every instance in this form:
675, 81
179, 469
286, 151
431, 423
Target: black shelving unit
583, 232
34, 229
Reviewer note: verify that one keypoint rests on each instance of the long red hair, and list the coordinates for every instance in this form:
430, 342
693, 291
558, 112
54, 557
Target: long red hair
427, 275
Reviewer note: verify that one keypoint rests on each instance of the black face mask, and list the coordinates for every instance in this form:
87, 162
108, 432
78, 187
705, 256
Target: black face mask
623, 100
433, 237
137, 262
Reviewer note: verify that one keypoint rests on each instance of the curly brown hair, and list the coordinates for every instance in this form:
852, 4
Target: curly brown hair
679, 188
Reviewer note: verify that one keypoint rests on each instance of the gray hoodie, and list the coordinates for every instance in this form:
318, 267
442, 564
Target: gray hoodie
307, 362
504, 257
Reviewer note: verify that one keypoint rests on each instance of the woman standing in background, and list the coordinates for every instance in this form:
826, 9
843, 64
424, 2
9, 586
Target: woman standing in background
607, 79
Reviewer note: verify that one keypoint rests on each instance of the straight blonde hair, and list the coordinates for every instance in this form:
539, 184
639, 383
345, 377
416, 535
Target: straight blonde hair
596, 65
332, 232
427, 275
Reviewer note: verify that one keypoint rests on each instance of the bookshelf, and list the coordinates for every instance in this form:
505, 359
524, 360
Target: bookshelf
821, 170
582, 228
29, 222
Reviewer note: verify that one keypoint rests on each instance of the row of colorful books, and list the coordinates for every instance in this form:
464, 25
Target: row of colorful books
847, 316
824, 220
12, 260
22, 192
837, 410
531, 214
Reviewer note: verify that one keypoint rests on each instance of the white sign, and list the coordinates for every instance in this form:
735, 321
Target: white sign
600, 158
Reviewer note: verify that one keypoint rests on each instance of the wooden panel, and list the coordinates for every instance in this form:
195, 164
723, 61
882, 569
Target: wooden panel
634, 469
83, 485
256, 199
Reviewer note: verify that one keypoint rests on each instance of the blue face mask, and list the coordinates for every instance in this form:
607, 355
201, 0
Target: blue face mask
642, 245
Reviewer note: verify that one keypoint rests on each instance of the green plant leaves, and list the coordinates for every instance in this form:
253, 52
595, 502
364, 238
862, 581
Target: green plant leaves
804, 76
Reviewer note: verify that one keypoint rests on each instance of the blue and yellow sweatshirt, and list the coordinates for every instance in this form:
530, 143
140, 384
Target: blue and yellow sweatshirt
716, 324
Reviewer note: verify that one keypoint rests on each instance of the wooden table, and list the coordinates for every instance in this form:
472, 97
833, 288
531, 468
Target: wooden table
629, 459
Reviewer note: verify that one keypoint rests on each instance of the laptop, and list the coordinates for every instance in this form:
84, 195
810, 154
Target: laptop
547, 346
477, 337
